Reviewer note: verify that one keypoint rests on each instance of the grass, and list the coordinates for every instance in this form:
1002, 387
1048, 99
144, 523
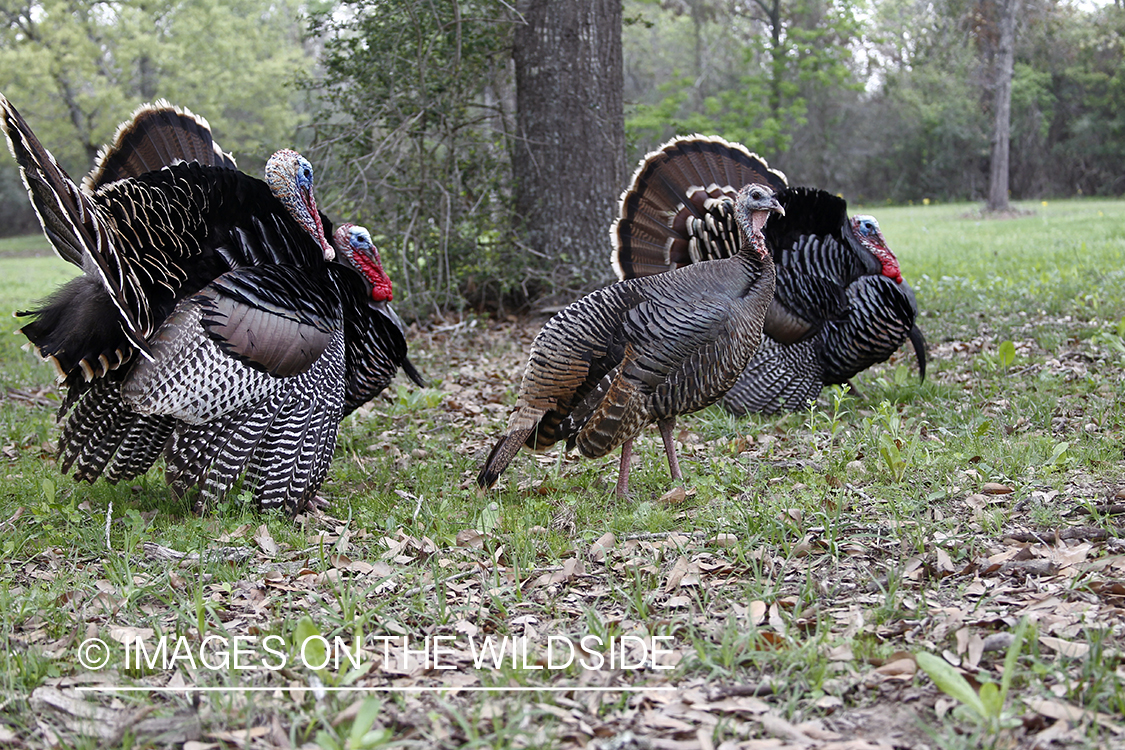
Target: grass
813, 554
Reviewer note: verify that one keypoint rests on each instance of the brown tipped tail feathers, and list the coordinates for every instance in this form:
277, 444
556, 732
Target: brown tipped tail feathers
502, 454
841, 304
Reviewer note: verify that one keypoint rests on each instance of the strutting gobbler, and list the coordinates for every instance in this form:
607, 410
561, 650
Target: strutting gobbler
207, 325
841, 304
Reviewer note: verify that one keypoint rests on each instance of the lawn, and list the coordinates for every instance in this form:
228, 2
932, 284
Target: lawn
913, 564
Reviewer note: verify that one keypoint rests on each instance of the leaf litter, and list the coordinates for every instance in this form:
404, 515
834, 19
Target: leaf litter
870, 610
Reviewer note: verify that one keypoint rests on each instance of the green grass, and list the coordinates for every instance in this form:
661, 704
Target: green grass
29, 244
810, 549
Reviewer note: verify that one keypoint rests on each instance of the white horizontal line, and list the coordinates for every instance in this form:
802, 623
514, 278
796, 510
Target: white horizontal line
376, 689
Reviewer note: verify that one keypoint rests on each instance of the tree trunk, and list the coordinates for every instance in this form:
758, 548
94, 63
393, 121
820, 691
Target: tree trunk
1005, 62
569, 150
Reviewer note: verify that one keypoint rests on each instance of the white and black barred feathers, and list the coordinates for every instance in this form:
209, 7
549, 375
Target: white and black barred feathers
840, 306
254, 347
145, 241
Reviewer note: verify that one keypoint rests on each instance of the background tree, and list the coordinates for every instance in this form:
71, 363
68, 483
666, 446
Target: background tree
418, 131
569, 159
1006, 11
413, 134
763, 62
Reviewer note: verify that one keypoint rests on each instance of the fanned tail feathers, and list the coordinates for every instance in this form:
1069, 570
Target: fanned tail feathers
157, 135
677, 207
502, 454
69, 218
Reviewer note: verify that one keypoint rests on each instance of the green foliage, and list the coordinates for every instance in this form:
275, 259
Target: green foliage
985, 708
413, 136
896, 438
76, 68
756, 90
1007, 354
362, 735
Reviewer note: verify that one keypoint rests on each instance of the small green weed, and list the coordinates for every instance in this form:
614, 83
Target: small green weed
986, 708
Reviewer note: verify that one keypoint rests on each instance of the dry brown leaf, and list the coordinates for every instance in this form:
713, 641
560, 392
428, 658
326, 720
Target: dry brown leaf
265, 541
239, 533
126, 635
829, 703
241, 737
944, 563
571, 568
899, 669
1069, 649
995, 488
470, 538
674, 496
680, 569
722, 540
975, 651
599, 548
1062, 711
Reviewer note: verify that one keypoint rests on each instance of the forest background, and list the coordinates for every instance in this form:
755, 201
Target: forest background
485, 143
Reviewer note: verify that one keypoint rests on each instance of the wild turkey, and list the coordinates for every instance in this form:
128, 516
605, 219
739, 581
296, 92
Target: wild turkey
841, 304
277, 432
642, 351
220, 282
375, 350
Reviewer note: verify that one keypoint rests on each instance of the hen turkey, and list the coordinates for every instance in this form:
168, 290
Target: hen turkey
642, 351
841, 304
207, 325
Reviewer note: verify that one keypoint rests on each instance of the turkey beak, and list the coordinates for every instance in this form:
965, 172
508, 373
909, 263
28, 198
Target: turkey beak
776, 207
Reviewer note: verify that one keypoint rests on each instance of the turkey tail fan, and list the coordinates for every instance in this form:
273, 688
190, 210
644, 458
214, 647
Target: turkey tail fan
57, 200
778, 376
690, 179
157, 135
68, 217
810, 212
919, 343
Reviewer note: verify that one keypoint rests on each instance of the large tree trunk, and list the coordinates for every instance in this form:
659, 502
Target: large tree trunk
569, 152
1005, 62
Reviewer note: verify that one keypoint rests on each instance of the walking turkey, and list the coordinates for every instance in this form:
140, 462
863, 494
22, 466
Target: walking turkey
642, 351
841, 304
219, 282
